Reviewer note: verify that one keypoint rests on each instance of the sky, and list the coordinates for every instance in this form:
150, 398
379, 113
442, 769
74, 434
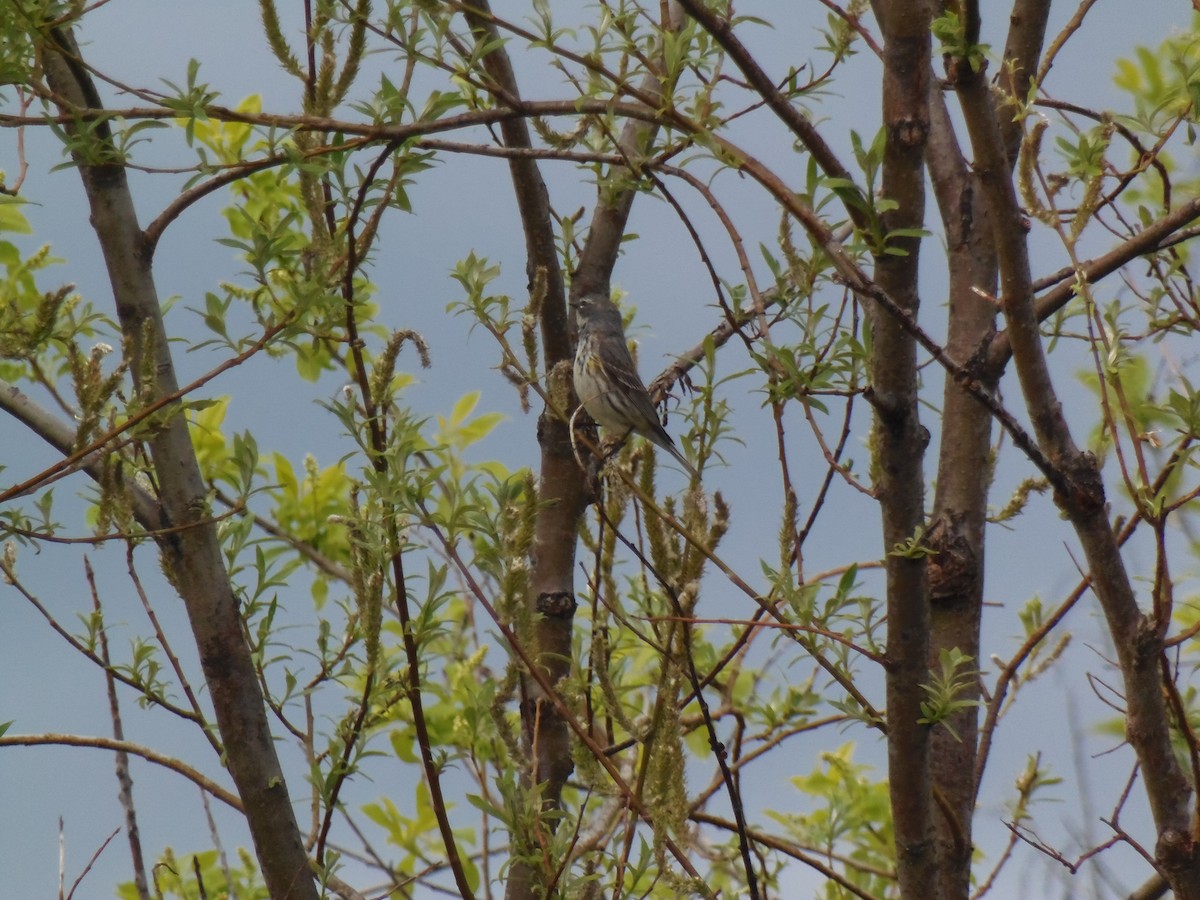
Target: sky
47, 688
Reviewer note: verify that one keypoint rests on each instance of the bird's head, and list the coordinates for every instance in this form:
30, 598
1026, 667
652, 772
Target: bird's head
595, 306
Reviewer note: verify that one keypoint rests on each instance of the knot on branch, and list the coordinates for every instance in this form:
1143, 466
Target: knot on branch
1176, 850
976, 373
917, 850
1086, 486
889, 412
910, 132
556, 604
1148, 639
958, 71
952, 567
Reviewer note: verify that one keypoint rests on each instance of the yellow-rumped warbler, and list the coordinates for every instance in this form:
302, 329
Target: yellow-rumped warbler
607, 381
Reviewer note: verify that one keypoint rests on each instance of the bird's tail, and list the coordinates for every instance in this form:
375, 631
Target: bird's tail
683, 461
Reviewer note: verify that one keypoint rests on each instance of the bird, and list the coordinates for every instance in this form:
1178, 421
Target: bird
607, 381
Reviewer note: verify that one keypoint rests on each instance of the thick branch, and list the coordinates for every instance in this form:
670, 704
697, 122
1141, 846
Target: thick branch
533, 200
1148, 240
561, 486
964, 474
62, 438
1026, 34
192, 556
1138, 639
327, 125
899, 440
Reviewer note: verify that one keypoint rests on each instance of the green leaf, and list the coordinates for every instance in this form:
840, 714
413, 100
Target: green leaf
11, 218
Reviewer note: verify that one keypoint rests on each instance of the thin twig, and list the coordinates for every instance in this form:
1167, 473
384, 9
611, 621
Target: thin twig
91, 862
124, 781
51, 739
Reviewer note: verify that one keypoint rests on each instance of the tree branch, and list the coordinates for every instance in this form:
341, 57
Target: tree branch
132, 749
788, 113
192, 557
1151, 238
62, 437
899, 439
546, 733
1138, 639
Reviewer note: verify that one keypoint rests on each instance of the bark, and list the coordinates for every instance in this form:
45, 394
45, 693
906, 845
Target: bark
191, 553
561, 488
563, 496
1138, 638
1022, 49
964, 473
899, 443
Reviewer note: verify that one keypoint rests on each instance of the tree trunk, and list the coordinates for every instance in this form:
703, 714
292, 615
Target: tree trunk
191, 554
